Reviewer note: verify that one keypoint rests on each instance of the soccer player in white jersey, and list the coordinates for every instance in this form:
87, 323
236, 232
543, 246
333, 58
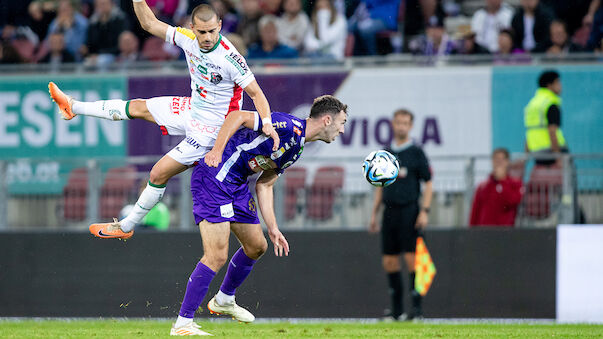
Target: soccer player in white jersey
218, 74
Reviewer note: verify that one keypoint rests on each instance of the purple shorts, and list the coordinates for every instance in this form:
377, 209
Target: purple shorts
217, 201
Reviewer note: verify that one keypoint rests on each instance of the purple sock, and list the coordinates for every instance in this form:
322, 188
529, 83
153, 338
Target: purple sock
239, 268
197, 286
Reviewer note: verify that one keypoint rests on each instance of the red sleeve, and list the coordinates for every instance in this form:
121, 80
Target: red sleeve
512, 192
476, 207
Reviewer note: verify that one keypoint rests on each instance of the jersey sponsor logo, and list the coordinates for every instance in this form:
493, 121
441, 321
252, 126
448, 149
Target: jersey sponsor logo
192, 56
297, 130
202, 69
215, 78
287, 164
210, 65
260, 163
226, 211
279, 124
201, 91
296, 123
287, 146
191, 141
238, 62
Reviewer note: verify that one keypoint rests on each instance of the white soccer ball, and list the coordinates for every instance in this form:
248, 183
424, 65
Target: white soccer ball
380, 168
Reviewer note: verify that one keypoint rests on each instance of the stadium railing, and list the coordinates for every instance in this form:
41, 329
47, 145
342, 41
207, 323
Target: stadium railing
316, 194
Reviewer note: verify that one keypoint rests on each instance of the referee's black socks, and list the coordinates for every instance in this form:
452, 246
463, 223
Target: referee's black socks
417, 310
395, 291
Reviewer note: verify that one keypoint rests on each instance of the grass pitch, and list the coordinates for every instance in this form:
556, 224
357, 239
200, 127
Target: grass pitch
112, 328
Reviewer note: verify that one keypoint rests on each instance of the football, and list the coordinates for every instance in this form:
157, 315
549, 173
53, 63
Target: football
380, 168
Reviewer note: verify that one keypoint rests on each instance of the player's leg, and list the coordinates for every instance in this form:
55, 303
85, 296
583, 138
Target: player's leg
391, 248
215, 253
409, 244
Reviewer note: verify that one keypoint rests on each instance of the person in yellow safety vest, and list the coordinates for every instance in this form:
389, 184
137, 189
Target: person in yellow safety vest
542, 119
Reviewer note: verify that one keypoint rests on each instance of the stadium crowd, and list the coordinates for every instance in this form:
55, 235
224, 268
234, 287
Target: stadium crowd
105, 32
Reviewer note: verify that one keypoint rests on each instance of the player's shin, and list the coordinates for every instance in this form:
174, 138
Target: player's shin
239, 268
104, 109
149, 197
196, 288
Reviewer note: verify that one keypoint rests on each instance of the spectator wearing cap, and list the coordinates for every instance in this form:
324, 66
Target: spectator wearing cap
327, 34
106, 24
489, 21
269, 47
531, 26
560, 43
496, 199
370, 18
435, 41
72, 24
57, 53
293, 24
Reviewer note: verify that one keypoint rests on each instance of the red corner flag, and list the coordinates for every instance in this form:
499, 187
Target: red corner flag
425, 270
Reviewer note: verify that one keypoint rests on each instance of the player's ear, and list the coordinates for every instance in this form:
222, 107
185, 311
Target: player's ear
327, 119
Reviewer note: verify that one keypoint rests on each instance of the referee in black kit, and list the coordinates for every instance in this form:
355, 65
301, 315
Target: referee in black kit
403, 219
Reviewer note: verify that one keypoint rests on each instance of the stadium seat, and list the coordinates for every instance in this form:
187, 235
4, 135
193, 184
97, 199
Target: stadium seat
75, 195
119, 184
295, 182
543, 192
327, 184
153, 50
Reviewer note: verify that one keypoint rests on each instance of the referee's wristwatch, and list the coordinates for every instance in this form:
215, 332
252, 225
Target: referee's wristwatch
426, 209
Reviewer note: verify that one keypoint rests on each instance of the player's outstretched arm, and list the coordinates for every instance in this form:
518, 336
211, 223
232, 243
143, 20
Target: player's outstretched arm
233, 121
261, 105
265, 193
148, 20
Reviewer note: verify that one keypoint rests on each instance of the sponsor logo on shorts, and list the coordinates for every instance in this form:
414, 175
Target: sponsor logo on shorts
215, 78
191, 141
180, 104
226, 211
251, 204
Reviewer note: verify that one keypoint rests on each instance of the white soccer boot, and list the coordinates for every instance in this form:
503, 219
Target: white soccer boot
237, 312
189, 329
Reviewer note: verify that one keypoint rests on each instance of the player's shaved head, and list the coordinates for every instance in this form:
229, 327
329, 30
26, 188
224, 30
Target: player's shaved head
204, 12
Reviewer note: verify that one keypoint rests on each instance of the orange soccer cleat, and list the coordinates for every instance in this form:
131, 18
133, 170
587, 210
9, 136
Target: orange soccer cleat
110, 230
62, 100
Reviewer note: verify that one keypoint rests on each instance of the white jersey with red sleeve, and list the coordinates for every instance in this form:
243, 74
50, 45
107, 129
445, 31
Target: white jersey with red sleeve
218, 76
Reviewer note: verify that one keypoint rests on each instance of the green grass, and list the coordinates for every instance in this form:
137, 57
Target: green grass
157, 329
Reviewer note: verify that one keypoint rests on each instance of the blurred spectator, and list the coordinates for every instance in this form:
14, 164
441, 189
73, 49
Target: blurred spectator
469, 46
105, 26
435, 41
270, 6
57, 53
41, 15
238, 43
270, 48
489, 21
496, 199
227, 14
248, 25
72, 24
327, 34
531, 25
596, 35
507, 53
164, 10
575, 13
418, 13
370, 18
128, 49
560, 43
542, 119
8, 54
293, 24
13, 14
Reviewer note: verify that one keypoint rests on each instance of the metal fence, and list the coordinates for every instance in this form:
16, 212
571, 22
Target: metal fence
316, 194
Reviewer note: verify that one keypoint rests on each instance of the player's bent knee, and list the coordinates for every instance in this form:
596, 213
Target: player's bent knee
157, 176
138, 109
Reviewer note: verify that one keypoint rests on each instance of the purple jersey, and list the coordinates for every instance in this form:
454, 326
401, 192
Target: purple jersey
248, 152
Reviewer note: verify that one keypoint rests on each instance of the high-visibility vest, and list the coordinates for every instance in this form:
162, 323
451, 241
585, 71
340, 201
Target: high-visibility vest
536, 122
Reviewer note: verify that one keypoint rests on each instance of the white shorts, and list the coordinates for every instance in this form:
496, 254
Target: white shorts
173, 115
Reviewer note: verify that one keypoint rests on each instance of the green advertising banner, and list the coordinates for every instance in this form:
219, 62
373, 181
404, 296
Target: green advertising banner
32, 130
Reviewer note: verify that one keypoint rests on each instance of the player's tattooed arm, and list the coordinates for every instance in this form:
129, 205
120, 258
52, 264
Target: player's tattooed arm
265, 193
148, 20
232, 123
261, 105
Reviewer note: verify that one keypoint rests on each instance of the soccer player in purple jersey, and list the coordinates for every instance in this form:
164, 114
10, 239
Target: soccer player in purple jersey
222, 201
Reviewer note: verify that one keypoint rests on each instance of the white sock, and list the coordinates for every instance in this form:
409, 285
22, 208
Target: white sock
149, 197
224, 299
182, 321
104, 109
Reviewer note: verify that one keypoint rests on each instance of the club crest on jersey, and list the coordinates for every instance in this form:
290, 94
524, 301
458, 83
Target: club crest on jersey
215, 78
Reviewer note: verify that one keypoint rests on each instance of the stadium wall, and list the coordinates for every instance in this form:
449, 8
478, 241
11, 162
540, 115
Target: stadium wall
481, 273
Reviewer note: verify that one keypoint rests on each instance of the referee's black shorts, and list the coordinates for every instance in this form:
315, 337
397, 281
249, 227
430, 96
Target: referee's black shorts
398, 232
